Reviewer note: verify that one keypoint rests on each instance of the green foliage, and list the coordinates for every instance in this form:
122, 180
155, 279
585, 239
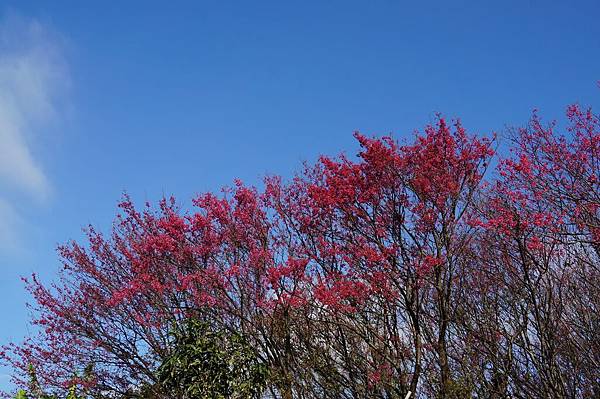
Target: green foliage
212, 365
72, 393
35, 390
21, 394
459, 389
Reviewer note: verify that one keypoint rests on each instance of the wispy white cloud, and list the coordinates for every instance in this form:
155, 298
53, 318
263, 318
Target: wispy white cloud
11, 224
33, 79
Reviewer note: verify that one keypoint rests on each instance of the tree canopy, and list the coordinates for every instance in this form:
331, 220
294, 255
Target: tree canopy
437, 267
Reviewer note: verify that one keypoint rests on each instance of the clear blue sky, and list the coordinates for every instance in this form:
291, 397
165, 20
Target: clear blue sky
136, 96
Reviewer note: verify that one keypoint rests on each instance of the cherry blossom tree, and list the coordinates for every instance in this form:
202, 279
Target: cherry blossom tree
407, 269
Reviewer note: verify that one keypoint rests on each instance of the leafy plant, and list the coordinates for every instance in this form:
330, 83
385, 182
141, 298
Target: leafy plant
205, 363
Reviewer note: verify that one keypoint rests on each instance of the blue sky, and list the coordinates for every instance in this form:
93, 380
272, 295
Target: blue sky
98, 99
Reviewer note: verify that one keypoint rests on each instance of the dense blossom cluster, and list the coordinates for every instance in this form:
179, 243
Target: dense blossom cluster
401, 270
